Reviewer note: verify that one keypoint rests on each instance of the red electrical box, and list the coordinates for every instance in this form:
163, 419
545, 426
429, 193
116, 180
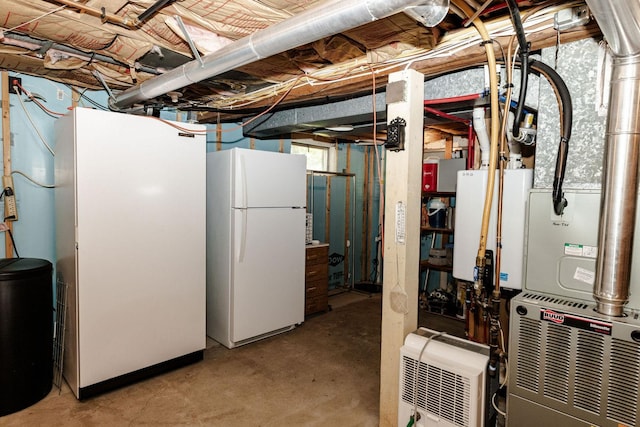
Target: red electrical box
430, 176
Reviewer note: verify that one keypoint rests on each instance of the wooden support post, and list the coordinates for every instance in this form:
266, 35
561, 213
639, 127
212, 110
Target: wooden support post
347, 221
403, 176
6, 154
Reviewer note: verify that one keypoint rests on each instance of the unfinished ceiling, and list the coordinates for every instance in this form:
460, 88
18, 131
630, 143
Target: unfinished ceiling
121, 44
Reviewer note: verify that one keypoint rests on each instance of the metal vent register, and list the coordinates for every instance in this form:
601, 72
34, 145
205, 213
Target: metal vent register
571, 365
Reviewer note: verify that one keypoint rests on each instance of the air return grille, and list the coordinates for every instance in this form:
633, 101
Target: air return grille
529, 355
624, 378
588, 373
557, 362
445, 377
440, 392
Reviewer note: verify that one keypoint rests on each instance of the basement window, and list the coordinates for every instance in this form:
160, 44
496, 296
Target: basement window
319, 157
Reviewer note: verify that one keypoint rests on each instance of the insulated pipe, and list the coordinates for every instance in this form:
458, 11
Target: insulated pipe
35, 44
483, 136
326, 19
620, 24
495, 130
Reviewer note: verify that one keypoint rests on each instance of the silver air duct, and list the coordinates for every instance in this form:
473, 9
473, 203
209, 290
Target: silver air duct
324, 20
620, 24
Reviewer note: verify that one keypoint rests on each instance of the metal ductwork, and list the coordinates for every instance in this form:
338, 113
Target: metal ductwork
620, 24
324, 20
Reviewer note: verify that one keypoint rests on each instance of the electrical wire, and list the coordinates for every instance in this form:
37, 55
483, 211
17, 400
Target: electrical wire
82, 95
13, 242
504, 382
39, 184
37, 18
417, 370
32, 98
381, 207
24, 108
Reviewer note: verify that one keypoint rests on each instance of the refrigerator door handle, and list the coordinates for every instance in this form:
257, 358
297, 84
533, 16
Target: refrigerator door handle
243, 235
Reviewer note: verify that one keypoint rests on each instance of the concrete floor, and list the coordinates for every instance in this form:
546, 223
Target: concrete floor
322, 373
325, 372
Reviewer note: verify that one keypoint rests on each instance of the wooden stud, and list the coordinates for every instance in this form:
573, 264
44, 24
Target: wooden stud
327, 212
347, 218
6, 154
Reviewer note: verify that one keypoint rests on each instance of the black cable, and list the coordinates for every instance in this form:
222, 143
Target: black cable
514, 13
13, 242
561, 89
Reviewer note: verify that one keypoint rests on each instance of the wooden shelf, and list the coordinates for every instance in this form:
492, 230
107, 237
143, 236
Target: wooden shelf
438, 194
425, 264
436, 230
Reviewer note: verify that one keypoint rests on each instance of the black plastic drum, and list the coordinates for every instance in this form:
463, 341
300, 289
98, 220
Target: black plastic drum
26, 332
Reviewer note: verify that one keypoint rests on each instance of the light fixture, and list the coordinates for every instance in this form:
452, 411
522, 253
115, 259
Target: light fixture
340, 128
174, 96
430, 13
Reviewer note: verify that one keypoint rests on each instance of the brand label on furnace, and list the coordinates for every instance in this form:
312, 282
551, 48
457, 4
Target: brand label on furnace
567, 319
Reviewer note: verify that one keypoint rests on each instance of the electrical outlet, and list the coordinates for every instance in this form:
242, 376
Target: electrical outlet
14, 85
10, 207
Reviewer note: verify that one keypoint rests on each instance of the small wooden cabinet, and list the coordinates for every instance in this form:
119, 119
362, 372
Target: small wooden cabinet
316, 279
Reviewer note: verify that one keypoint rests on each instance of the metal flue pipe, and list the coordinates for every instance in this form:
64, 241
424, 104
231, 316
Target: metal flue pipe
620, 24
326, 19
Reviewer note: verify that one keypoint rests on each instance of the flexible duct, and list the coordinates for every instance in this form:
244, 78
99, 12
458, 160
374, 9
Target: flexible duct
324, 20
620, 24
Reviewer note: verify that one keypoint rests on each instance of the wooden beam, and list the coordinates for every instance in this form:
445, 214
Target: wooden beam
403, 178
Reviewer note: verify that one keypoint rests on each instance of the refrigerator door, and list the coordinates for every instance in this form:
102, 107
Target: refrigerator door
261, 176
268, 271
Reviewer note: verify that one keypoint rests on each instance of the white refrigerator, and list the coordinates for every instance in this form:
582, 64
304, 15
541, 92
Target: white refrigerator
130, 239
255, 244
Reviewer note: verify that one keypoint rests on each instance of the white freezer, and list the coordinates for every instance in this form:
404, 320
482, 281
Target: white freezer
255, 255
130, 213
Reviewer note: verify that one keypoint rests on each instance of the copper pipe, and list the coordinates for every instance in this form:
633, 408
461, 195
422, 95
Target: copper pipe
102, 14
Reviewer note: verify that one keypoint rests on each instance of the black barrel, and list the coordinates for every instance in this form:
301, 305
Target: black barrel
26, 332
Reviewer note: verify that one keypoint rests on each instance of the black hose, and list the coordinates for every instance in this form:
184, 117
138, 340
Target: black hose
153, 9
514, 13
559, 202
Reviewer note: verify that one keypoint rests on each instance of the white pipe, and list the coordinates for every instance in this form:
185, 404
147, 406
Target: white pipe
515, 149
324, 20
480, 127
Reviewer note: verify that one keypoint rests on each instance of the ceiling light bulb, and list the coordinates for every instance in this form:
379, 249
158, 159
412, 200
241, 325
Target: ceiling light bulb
174, 96
340, 128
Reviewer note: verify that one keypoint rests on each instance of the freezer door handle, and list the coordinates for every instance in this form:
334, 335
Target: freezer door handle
243, 180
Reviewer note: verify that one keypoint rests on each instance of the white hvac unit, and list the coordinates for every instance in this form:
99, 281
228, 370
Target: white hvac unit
444, 378
470, 195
